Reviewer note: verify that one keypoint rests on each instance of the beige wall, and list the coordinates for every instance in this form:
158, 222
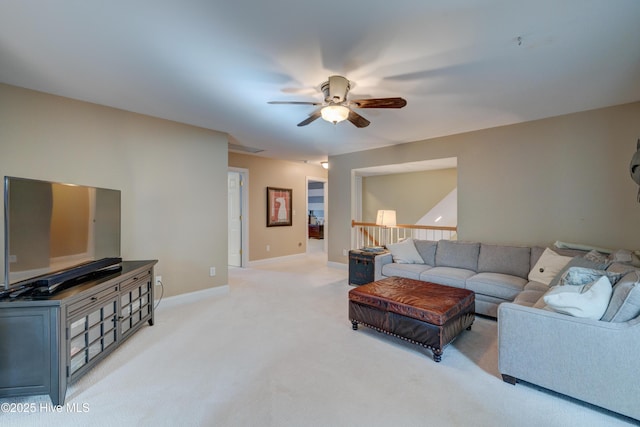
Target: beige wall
263, 173
420, 192
172, 177
563, 178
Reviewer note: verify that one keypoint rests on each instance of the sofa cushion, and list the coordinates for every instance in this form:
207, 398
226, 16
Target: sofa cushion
548, 266
405, 252
589, 301
541, 304
528, 297
535, 290
457, 254
512, 260
499, 285
536, 286
617, 267
625, 301
427, 250
447, 276
536, 253
410, 271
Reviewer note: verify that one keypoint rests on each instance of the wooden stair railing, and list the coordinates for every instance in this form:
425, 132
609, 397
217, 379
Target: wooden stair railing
371, 234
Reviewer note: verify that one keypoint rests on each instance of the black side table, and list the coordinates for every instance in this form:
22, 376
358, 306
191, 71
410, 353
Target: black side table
361, 266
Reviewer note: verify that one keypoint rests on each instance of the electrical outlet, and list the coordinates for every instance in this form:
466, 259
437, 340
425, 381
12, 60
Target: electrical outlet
344, 252
158, 280
212, 271
268, 248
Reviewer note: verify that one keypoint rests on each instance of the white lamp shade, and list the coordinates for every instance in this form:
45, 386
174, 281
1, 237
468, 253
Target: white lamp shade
335, 113
386, 218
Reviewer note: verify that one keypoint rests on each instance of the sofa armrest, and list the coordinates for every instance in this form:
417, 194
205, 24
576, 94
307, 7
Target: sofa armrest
379, 261
590, 360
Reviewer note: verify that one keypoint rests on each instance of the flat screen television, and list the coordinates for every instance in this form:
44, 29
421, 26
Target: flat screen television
57, 232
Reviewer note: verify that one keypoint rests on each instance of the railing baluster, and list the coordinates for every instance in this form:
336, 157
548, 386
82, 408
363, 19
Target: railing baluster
370, 234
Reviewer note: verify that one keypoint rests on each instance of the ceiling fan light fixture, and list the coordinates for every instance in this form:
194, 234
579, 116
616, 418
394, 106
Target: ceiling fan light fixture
337, 108
335, 113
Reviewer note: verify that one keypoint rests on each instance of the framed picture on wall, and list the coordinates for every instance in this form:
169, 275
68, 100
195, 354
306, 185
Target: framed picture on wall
278, 206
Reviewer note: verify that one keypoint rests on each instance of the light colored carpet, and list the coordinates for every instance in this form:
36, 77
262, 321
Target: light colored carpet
278, 350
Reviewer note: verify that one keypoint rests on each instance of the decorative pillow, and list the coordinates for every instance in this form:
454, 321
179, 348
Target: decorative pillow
548, 266
596, 256
580, 247
581, 276
579, 261
624, 256
405, 252
427, 250
625, 302
589, 301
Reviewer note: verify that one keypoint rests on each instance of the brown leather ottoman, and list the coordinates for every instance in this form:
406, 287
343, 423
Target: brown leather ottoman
423, 313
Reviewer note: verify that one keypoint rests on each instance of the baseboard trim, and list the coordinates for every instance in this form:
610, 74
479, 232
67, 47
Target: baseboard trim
276, 259
338, 265
193, 296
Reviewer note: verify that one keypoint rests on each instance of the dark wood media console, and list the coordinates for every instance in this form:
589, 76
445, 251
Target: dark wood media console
50, 341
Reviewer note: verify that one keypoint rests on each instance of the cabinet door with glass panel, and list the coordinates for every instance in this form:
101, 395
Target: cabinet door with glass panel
136, 299
91, 335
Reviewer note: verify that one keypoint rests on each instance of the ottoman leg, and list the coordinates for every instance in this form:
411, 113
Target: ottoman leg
437, 355
354, 325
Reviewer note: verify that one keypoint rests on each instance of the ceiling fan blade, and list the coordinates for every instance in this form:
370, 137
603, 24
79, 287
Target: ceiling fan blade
294, 102
379, 103
315, 115
357, 119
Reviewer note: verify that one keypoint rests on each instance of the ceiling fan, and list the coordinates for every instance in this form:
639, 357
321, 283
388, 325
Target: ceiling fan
336, 107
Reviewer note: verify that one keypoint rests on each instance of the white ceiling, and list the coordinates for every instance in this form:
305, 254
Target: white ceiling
461, 65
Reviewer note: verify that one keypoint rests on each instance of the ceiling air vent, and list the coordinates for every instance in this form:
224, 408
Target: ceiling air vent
243, 149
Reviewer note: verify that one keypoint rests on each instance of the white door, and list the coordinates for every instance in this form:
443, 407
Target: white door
235, 218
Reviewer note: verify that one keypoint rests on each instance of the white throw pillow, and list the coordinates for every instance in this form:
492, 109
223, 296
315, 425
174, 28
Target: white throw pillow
405, 252
589, 301
548, 266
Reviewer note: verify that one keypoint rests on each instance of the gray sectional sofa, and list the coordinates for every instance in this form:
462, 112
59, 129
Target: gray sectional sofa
591, 359
496, 273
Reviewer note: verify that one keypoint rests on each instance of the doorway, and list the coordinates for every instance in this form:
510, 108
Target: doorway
237, 206
317, 214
